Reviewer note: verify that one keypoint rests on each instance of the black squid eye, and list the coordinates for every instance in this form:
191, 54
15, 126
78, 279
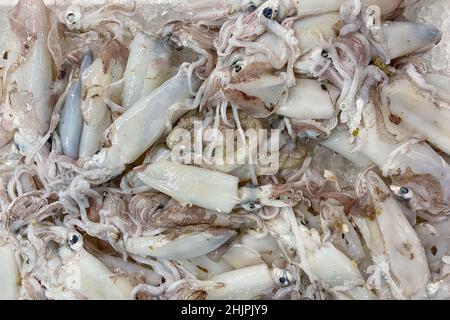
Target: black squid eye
404, 190
324, 54
282, 280
97, 152
237, 68
252, 7
73, 239
71, 17
267, 12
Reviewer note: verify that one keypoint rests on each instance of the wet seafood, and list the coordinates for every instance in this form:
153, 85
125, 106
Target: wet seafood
105, 70
147, 68
243, 149
72, 118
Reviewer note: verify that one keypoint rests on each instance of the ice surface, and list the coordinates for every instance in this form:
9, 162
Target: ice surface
325, 159
437, 13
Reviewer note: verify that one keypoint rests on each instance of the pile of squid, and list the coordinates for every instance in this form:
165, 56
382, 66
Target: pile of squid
94, 207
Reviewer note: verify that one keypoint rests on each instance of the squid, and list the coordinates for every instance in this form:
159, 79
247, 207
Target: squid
147, 119
208, 189
182, 244
9, 273
434, 237
147, 68
403, 259
413, 113
96, 280
71, 123
178, 35
30, 76
243, 284
174, 215
105, 70
203, 10
322, 262
307, 8
67, 271
247, 82
390, 156
306, 28
116, 181
401, 38
102, 20
307, 100
252, 251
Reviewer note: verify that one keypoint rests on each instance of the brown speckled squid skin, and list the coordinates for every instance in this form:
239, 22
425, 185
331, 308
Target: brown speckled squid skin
29, 19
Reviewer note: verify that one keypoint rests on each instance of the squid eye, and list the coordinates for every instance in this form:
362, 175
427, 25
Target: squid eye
324, 54
283, 280
267, 12
71, 17
251, 206
74, 241
252, 7
405, 193
237, 68
97, 152
282, 277
404, 190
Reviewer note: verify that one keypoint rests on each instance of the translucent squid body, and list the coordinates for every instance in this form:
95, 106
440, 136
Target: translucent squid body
145, 121
30, 22
208, 189
147, 68
415, 114
95, 280
311, 7
213, 11
105, 70
9, 273
191, 185
403, 38
179, 244
71, 123
394, 245
69, 271
322, 261
247, 283
308, 99
393, 40
9, 49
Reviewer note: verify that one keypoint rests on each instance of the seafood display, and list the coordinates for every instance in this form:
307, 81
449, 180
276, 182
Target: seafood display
242, 149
